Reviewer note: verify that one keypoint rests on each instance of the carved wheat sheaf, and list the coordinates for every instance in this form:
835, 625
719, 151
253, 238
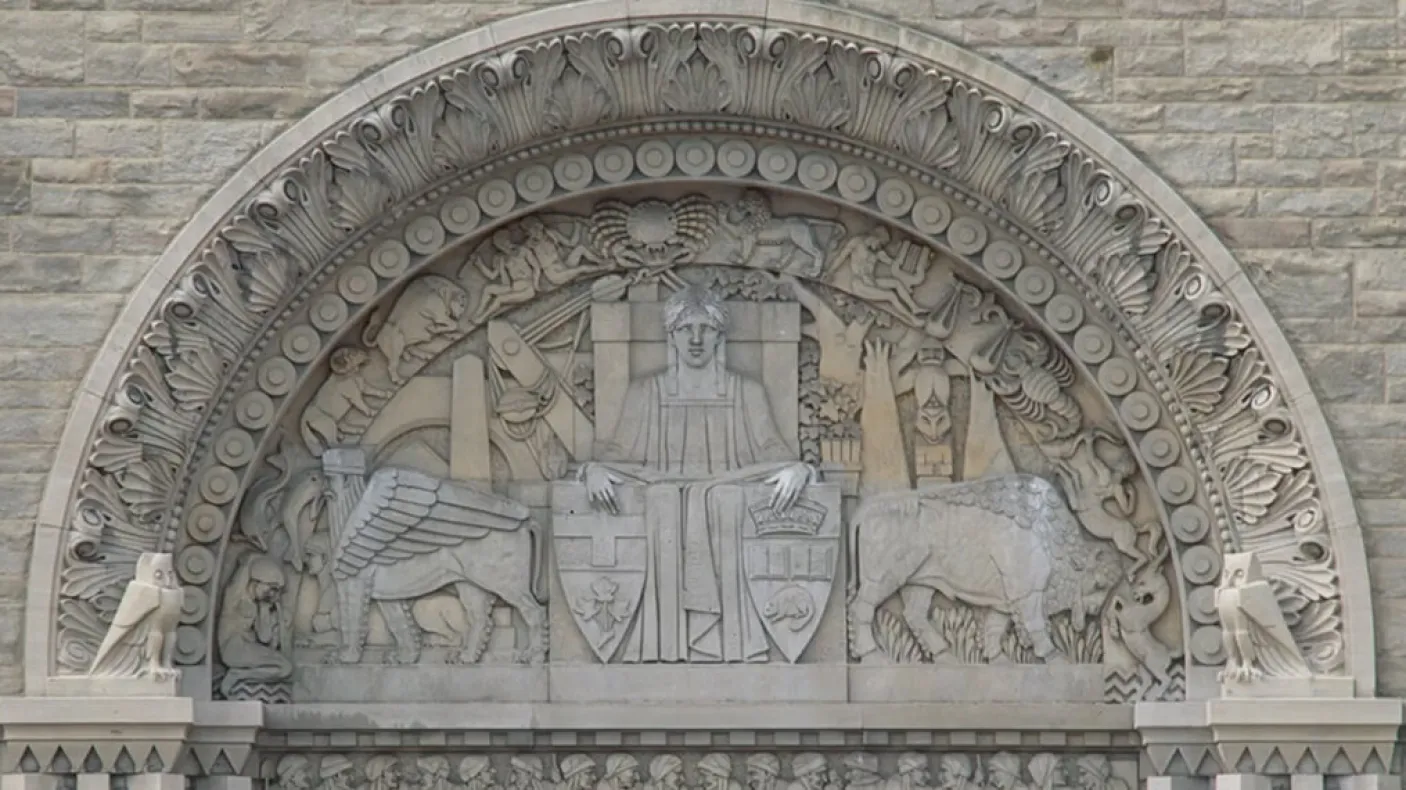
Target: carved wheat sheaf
1252, 469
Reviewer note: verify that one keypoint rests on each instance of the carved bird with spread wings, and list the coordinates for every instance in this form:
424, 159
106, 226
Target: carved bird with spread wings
1258, 642
143, 633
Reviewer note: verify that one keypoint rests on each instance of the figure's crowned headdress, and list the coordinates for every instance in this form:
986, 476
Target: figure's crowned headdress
803, 518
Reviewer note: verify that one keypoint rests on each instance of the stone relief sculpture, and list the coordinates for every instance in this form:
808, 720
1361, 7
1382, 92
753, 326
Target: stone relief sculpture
407, 534
141, 640
686, 525
1258, 643
255, 626
420, 323
714, 771
344, 391
254, 314
1008, 544
697, 440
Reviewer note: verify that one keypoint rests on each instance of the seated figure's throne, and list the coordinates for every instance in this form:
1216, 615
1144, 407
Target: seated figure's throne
696, 564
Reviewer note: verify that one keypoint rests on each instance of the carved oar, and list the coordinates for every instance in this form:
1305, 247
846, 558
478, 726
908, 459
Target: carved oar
522, 359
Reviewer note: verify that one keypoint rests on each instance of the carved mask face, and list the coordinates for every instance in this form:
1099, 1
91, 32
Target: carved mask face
757, 779
696, 341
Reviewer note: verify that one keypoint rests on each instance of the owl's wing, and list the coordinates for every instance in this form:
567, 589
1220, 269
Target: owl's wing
120, 652
1275, 648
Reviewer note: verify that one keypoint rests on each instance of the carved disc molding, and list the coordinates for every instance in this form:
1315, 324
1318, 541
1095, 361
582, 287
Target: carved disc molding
419, 400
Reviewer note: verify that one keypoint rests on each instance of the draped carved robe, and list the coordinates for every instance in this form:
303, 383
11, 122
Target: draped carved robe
709, 445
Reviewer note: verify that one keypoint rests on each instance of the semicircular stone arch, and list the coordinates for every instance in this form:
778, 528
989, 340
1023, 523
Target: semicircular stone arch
965, 276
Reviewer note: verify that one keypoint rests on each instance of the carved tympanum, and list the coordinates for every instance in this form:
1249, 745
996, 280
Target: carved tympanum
1072, 345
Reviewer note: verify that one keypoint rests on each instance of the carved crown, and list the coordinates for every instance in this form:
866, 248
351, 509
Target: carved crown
803, 518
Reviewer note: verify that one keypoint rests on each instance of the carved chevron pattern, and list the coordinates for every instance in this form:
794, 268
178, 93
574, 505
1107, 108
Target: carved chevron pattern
1252, 468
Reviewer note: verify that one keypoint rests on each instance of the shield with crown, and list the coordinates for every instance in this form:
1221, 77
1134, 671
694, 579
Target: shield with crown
789, 560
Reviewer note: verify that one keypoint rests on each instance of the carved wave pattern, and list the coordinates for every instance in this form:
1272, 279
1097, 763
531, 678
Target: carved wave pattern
232, 295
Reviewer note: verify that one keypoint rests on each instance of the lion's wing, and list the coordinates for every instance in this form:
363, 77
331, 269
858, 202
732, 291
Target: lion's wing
404, 513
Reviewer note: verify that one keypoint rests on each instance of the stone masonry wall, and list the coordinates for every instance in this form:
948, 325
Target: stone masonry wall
1283, 120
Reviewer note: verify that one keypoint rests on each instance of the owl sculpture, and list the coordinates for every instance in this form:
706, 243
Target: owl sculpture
143, 633
1257, 639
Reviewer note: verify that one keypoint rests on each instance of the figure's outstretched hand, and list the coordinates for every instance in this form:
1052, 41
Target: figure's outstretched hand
600, 487
787, 485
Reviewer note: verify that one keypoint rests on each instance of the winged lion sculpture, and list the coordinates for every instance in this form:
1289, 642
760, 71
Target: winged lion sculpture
407, 534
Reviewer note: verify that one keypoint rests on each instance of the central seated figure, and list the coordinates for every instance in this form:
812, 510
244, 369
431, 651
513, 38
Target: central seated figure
738, 539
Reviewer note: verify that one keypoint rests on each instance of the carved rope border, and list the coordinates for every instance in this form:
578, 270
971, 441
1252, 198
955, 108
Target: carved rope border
192, 323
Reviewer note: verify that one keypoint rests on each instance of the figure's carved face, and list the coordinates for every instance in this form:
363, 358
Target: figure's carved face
758, 778
814, 780
696, 340
457, 303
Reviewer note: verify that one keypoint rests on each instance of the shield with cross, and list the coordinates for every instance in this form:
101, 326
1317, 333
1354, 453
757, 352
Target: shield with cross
601, 562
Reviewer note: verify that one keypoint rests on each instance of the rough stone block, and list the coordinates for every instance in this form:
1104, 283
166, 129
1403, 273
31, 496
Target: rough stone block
14, 186
128, 64
1081, 8
1346, 374
36, 273
1139, 61
1019, 32
983, 8
44, 364
1299, 283
1348, 9
1189, 159
1262, 47
1344, 202
19, 494
118, 200
165, 104
1219, 118
58, 234
1127, 117
1360, 232
35, 137
256, 104
1263, 8
191, 27
117, 138
222, 65
1182, 89
1075, 73
1130, 33
415, 24
112, 26
1375, 467
41, 49
206, 152
1306, 131
312, 21
71, 103
336, 66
